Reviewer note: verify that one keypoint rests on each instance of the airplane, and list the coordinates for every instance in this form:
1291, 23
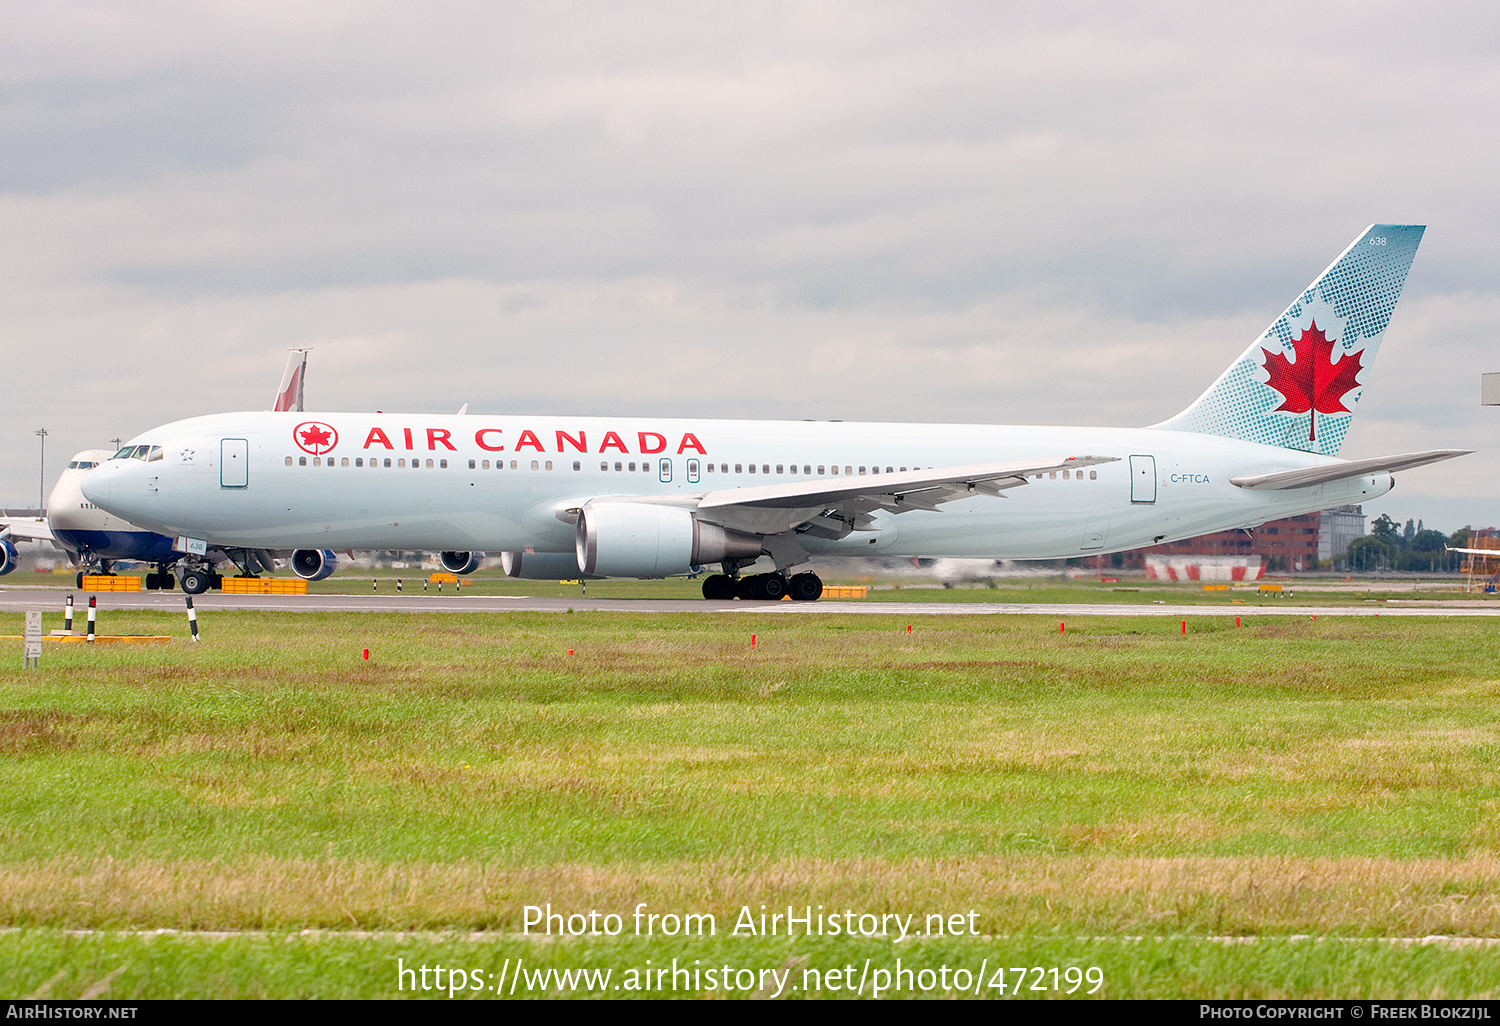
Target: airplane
95, 539
656, 497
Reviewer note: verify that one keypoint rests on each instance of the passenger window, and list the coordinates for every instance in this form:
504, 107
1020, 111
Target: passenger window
387, 461
471, 464
301, 461
317, 461
710, 468
1093, 475
887, 470
1052, 475
289, 461
535, 465
577, 465
401, 463
1066, 475
780, 468
848, 471
619, 465
820, 469
344, 462
549, 465
861, 471
514, 464
359, 461
442, 464
632, 468
603, 466
752, 468
429, 464
806, 468
739, 468
723, 468
765, 468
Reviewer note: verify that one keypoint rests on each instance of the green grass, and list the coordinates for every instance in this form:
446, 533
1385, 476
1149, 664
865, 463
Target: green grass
1290, 777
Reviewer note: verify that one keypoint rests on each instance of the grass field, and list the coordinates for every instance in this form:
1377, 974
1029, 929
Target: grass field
1120, 798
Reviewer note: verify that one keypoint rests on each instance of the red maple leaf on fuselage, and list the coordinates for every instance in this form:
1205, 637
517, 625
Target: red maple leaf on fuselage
316, 436
1315, 383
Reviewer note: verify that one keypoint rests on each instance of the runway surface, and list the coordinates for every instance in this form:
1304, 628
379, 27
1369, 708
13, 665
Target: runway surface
20, 599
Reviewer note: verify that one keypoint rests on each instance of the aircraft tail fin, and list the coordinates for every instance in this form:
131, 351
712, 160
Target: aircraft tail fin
1297, 384
289, 392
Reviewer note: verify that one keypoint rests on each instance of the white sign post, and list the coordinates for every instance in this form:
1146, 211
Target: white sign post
33, 642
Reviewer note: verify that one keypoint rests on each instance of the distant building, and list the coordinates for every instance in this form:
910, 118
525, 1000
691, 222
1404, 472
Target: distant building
1293, 543
1339, 526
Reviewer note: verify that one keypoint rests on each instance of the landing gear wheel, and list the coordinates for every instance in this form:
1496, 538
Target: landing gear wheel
773, 587
78, 581
749, 587
806, 587
717, 587
168, 582
196, 582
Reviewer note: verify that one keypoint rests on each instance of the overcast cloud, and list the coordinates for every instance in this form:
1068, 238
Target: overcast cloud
1046, 213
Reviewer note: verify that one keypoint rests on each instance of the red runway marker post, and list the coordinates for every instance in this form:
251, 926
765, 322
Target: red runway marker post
752, 641
1062, 628
364, 653
1184, 628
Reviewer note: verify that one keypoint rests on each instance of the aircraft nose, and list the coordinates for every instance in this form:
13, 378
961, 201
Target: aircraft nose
96, 486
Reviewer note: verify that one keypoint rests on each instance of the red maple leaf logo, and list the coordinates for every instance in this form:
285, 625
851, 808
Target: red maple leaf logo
314, 437
1315, 383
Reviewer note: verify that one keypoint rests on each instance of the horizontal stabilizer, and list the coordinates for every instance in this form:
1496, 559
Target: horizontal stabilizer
1310, 476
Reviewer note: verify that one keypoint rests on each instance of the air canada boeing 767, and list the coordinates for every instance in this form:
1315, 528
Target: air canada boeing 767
618, 497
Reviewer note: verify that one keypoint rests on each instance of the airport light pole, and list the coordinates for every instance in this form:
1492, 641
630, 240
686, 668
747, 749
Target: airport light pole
41, 492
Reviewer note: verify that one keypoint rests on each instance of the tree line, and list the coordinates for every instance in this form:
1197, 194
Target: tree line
1392, 546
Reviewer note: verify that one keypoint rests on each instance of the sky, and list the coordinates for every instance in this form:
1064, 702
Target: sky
1047, 213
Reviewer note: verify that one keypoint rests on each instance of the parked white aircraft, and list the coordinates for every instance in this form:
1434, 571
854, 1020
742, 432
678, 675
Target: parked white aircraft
95, 539
656, 497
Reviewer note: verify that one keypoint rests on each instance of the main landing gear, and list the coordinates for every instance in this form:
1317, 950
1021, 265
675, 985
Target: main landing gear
805, 587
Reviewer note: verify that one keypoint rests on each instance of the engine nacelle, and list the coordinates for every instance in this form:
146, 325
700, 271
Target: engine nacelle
314, 564
540, 566
638, 539
9, 557
460, 562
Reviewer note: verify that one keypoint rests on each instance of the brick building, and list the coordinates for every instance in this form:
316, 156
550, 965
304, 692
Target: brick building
1294, 543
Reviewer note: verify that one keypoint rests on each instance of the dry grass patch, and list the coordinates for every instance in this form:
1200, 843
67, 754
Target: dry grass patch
1249, 896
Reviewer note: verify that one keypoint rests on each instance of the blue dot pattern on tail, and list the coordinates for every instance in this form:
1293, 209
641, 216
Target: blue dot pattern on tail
1352, 301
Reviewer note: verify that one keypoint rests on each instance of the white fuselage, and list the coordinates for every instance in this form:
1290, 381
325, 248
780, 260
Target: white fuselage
378, 481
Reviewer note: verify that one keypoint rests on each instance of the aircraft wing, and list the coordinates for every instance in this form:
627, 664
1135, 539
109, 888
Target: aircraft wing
26, 529
835, 506
1309, 476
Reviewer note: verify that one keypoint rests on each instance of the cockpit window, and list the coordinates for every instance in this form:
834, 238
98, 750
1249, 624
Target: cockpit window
124, 454
82, 465
155, 454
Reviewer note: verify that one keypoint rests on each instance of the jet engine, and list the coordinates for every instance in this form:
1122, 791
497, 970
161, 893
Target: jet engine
9, 557
314, 564
540, 566
638, 539
461, 562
